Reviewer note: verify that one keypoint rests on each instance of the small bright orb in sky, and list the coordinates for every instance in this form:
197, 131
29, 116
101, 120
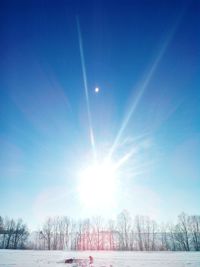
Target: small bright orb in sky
96, 90
97, 187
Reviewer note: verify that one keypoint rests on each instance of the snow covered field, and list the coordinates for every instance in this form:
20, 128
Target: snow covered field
22, 258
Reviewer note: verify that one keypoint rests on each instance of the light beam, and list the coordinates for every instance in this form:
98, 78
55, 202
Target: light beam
91, 131
145, 83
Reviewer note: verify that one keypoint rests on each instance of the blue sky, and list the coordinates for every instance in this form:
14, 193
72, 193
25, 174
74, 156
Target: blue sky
145, 58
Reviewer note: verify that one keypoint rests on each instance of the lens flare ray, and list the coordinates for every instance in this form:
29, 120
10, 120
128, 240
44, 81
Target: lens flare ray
144, 84
91, 131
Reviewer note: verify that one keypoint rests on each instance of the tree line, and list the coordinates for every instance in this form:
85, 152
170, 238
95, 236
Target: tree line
13, 234
124, 233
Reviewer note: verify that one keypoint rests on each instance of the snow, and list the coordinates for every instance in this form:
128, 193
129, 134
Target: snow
31, 258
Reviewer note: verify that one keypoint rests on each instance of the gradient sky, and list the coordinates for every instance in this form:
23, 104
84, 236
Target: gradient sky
145, 58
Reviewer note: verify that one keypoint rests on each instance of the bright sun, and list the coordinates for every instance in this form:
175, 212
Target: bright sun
97, 186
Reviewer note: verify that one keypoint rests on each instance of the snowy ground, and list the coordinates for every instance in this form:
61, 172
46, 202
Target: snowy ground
18, 258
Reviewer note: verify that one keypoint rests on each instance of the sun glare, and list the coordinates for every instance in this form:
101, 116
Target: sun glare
96, 90
97, 186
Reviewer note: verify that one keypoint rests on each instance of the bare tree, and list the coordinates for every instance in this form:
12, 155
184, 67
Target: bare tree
20, 234
112, 231
139, 223
182, 232
194, 229
66, 226
10, 228
124, 226
97, 228
2, 232
46, 233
